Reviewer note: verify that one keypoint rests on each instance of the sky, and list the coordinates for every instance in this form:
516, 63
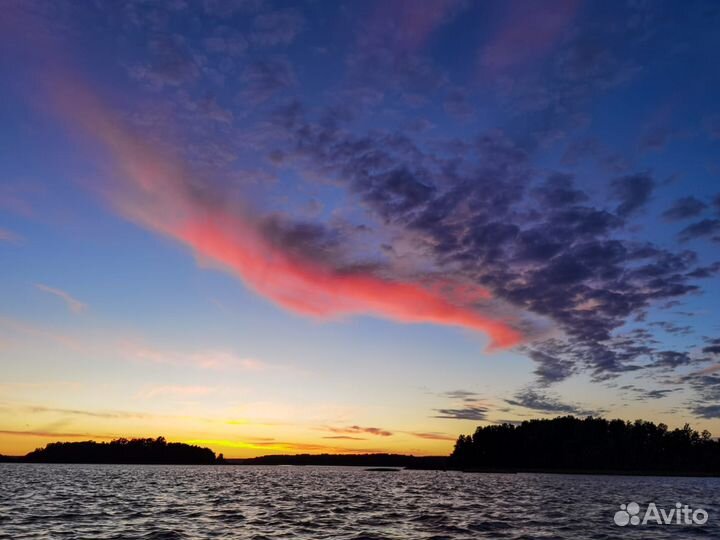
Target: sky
285, 227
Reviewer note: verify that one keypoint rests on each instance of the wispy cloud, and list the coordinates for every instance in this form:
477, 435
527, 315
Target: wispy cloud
362, 430
31, 433
9, 236
465, 412
176, 390
433, 436
210, 359
529, 398
73, 304
42, 334
81, 412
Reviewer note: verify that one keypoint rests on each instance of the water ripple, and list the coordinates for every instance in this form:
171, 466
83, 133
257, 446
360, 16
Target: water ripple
123, 502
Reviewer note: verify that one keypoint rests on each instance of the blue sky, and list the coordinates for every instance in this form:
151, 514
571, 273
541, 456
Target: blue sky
355, 226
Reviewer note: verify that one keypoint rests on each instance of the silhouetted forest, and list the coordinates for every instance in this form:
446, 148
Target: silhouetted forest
591, 444
146, 451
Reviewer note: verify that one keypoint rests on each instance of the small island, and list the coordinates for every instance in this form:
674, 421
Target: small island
127, 451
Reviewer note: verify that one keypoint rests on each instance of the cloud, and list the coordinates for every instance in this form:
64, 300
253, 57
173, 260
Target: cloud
80, 412
53, 434
43, 334
707, 411
644, 394
73, 304
460, 394
432, 436
358, 429
671, 359
204, 359
466, 412
633, 191
533, 250
684, 208
705, 227
531, 399
162, 195
713, 346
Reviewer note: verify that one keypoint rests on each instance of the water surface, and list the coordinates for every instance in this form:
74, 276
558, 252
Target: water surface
239, 502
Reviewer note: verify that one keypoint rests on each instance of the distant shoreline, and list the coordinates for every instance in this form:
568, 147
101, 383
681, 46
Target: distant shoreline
562, 445
241, 463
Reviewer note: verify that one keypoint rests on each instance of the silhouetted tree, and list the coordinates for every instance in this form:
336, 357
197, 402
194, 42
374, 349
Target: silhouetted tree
569, 443
150, 451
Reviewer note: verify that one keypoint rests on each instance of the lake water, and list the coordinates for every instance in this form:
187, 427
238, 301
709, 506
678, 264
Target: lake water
174, 502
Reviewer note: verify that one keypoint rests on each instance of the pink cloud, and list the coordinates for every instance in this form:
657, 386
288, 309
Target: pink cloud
73, 304
528, 31
210, 359
160, 193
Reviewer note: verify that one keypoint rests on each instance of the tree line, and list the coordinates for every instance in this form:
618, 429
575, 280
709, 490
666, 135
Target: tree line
589, 444
146, 451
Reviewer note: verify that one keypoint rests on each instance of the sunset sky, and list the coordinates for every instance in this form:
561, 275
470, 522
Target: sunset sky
282, 227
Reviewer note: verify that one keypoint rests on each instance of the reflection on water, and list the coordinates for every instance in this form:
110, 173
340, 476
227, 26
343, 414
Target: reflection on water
169, 502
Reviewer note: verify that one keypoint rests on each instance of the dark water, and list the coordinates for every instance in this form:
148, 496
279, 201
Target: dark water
169, 502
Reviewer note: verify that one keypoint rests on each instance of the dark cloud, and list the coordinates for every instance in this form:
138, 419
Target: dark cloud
705, 227
550, 368
645, 394
531, 399
460, 394
657, 393
672, 328
558, 191
633, 192
468, 412
707, 411
706, 385
684, 208
433, 436
542, 247
360, 430
705, 271
713, 347
671, 359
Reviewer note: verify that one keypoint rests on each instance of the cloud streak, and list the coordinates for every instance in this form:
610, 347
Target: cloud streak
160, 193
73, 304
